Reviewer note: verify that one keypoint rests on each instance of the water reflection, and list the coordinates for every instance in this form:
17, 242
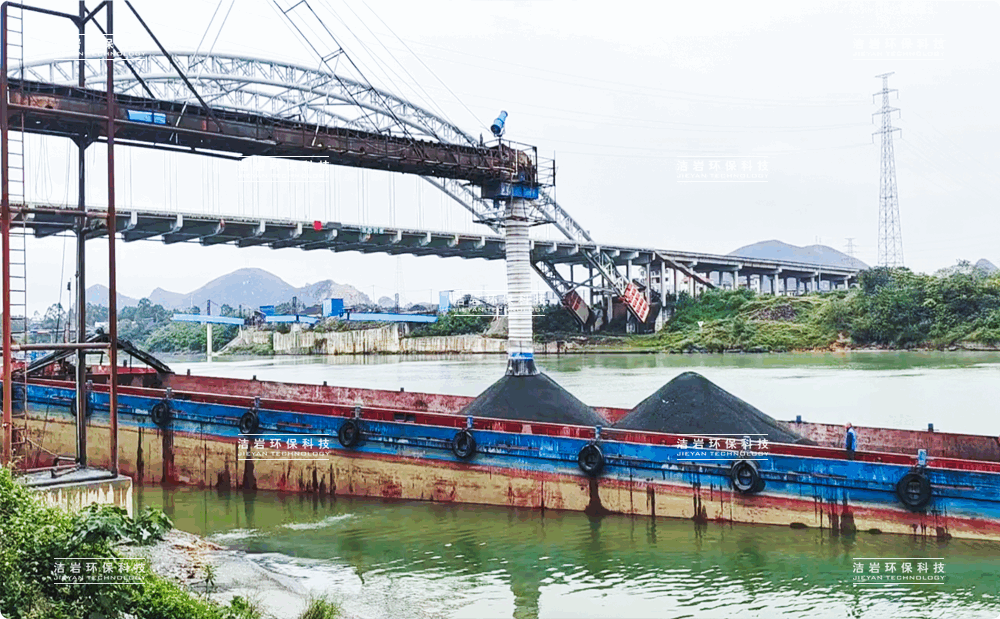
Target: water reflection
451, 560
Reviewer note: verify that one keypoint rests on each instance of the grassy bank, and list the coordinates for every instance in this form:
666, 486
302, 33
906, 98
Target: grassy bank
891, 308
35, 540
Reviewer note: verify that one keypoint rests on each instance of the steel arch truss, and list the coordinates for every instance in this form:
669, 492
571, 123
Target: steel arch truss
268, 87
316, 96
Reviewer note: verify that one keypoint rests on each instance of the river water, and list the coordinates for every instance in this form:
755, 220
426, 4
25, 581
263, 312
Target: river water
385, 559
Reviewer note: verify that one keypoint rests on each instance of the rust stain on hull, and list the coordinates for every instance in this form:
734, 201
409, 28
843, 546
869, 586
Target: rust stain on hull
595, 507
169, 477
700, 511
194, 459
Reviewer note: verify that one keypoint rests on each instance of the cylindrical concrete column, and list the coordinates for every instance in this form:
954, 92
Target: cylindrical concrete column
520, 352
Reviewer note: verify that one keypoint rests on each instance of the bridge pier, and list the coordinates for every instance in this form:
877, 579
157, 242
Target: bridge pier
661, 318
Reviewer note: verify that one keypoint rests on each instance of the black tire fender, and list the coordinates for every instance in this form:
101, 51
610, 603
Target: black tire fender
745, 477
591, 459
72, 408
914, 490
463, 445
249, 422
349, 433
161, 413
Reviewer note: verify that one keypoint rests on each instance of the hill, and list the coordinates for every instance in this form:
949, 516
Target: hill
986, 266
169, 299
811, 254
255, 287
98, 294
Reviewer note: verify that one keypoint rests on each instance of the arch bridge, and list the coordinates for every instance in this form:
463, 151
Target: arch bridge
237, 106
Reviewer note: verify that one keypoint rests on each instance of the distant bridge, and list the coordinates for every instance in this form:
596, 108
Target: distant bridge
699, 269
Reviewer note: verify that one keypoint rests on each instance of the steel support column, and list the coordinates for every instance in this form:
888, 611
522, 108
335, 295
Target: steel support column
112, 275
648, 280
81, 268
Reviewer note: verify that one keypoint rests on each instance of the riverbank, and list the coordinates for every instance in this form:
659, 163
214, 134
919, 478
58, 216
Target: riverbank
221, 574
713, 337
892, 309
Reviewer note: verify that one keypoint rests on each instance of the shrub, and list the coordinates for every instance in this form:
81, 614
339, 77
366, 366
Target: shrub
32, 537
320, 608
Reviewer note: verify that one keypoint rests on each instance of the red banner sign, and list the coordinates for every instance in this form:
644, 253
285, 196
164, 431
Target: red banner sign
636, 301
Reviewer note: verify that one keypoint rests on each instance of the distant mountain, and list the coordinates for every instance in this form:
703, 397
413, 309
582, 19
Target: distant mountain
169, 299
98, 294
986, 266
812, 254
329, 289
253, 288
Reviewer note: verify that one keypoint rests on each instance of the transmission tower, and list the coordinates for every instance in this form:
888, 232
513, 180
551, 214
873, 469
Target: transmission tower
890, 237
850, 247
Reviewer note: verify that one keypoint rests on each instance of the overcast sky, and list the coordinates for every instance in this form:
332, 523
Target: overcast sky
627, 96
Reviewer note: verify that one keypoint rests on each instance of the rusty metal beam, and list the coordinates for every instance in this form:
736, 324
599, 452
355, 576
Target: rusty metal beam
62, 346
112, 264
68, 112
81, 263
69, 212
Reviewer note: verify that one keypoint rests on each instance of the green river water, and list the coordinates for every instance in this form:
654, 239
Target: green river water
384, 559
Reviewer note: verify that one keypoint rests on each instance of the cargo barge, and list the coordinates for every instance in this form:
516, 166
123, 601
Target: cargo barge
250, 434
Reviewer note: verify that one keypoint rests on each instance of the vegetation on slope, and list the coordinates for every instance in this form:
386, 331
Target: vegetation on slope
457, 322
548, 322
33, 537
891, 308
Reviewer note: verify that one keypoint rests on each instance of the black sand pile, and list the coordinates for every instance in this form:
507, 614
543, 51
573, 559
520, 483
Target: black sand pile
692, 404
532, 398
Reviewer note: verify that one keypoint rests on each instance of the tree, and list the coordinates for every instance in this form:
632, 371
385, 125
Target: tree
54, 318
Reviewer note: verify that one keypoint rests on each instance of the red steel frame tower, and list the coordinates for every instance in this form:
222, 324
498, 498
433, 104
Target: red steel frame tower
8, 109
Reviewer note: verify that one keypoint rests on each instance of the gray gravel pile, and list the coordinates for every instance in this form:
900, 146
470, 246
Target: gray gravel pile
692, 404
532, 398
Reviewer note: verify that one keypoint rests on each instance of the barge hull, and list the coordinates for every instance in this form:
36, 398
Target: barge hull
405, 461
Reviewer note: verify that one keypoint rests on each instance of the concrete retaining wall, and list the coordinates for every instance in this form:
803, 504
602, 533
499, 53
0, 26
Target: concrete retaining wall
390, 339
453, 343
73, 495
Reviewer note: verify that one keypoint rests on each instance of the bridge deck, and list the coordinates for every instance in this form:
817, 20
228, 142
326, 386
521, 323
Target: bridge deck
135, 225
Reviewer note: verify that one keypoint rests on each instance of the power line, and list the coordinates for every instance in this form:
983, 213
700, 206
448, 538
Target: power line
432, 103
728, 99
478, 119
